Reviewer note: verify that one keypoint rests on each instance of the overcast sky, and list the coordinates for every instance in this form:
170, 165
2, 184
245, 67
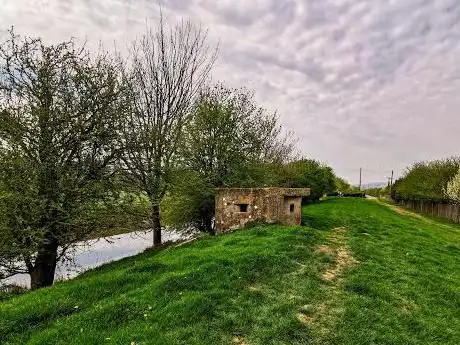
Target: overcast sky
362, 83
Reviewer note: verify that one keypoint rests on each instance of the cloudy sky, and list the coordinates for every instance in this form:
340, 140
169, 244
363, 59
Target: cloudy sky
362, 83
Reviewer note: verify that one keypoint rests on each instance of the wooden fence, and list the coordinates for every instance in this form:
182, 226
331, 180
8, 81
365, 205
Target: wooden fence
449, 211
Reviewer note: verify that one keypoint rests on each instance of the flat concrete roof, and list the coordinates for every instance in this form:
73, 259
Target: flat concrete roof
293, 192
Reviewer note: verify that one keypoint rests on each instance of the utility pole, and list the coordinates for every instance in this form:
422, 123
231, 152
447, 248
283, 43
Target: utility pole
360, 175
391, 181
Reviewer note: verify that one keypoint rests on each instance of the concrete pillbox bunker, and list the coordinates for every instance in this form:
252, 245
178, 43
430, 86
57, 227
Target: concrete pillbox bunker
235, 207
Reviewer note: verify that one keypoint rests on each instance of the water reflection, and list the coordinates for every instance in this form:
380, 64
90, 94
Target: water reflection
103, 250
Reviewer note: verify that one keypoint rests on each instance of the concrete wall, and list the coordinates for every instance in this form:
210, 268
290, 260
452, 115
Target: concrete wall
270, 205
292, 210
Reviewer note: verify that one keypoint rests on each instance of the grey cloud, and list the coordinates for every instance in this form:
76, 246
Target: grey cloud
98, 13
362, 83
318, 14
176, 5
240, 13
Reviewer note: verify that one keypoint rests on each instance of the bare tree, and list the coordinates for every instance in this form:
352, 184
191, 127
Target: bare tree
60, 113
167, 69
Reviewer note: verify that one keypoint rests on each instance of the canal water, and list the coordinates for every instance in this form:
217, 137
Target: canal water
103, 250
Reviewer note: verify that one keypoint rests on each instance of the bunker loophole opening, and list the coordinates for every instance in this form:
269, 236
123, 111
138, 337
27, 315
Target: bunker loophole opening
243, 208
291, 208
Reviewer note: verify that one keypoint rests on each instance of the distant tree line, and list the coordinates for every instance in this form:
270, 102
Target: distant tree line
92, 141
436, 181
378, 192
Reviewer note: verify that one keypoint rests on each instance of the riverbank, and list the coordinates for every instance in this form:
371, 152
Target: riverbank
357, 273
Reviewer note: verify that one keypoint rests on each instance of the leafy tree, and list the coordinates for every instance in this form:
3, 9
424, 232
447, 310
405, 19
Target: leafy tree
453, 188
60, 111
190, 201
166, 70
230, 141
229, 133
341, 185
309, 173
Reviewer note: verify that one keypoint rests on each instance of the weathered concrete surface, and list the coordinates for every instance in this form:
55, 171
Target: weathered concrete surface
235, 207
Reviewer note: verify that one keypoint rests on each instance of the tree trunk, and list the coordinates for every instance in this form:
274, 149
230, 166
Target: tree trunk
156, 225
207, 211
212, 231
42, 273
209, 224
209, 221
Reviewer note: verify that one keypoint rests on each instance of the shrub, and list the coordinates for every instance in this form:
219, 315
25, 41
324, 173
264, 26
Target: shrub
453, 188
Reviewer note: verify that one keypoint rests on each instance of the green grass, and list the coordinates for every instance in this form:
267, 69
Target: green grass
395, 280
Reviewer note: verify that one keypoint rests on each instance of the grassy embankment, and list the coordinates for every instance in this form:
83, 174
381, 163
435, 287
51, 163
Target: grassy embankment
358, 272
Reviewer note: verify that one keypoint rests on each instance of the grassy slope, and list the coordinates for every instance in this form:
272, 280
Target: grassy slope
265, 285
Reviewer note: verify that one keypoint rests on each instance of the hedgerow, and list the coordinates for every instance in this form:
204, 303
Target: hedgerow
427, 181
